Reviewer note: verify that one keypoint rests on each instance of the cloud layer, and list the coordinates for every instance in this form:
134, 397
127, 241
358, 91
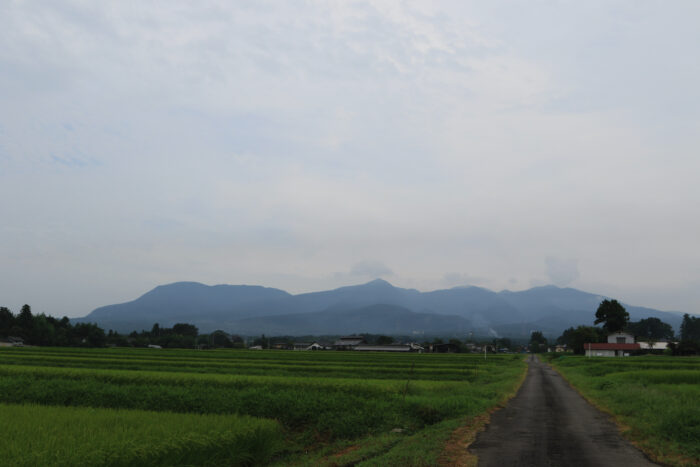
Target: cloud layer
458, 142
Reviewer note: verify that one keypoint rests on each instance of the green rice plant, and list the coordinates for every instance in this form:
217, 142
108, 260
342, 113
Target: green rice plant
68, 436
656, 399
319, 398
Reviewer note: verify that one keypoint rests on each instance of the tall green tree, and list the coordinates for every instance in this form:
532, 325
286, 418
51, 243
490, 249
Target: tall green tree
613, 316
690, 328
651, 330
7, 320
538, 343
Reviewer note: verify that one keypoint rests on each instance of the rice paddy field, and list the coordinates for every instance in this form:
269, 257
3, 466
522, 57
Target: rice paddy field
67, 406
655, 399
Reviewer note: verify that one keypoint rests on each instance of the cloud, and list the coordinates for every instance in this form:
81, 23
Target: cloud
453, 279
231, 142
370, 268
561, 272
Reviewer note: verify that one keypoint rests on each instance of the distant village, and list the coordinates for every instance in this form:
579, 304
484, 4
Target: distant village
617, 338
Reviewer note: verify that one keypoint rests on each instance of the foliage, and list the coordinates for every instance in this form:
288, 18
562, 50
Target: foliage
575, 338
538, 343
47, 330
613, 316
651, 330
690, 328
384, 340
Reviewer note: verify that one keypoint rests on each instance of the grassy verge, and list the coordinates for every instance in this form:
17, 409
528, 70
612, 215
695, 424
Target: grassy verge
655, 400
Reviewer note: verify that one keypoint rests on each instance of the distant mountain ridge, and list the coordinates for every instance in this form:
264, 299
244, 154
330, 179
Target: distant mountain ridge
376, 307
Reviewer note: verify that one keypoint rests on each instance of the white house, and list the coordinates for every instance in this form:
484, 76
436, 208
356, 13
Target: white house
620, 338
619, 344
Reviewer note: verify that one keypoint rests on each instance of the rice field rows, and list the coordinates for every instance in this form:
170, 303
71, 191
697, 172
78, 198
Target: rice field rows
242, 407
656, 400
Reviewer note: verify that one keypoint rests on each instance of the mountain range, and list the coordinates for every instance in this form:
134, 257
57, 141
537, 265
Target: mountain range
374, 307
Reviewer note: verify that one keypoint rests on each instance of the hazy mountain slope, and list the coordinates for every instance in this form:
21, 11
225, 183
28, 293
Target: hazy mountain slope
183, 302
240, 308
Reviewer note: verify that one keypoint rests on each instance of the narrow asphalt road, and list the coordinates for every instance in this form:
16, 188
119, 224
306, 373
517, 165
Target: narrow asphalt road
549, 424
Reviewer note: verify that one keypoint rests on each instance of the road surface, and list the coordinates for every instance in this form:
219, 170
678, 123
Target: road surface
549, 424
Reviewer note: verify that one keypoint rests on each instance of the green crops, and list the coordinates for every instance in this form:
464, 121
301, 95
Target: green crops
658, 398
68, 436
317, 399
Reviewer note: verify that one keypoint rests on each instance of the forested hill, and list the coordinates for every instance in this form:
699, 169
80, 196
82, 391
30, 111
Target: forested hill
376, 306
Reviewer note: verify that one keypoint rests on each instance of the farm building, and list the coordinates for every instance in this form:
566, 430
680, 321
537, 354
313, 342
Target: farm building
11, 341
605, 349
390, 348
444, 348
307, 346
348, 342
654, 345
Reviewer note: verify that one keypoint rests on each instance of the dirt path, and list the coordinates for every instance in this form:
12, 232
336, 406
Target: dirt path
549, 424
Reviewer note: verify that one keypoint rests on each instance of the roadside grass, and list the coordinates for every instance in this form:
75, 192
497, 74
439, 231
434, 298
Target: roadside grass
60, 436
656, 400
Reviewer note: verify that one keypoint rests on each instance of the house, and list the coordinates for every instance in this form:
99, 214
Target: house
444, 348
411, 347
154, 346
11, 341
307, 346
620, 338
604, 349
348, 342
560, 348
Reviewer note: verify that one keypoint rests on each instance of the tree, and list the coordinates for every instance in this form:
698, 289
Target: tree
7, 320
219, 338
651, 330
503, 343
385, 340
690, 328
613, 316
25, 319
185, 329
575, 338
538, 343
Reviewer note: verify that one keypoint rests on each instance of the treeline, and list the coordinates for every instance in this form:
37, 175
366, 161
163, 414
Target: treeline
646, 330
182, 336
45, 330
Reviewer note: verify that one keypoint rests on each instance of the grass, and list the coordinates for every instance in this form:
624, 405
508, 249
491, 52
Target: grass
656, 399
334, 408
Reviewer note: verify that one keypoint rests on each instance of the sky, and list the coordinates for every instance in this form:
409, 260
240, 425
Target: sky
308, 145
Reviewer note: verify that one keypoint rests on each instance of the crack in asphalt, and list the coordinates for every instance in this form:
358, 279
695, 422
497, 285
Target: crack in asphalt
548, 423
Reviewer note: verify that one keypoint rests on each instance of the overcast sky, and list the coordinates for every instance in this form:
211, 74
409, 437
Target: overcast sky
308, 145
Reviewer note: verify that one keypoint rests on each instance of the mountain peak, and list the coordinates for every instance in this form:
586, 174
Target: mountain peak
379, 283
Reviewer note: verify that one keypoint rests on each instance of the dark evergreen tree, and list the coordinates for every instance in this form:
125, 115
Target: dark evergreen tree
613, 316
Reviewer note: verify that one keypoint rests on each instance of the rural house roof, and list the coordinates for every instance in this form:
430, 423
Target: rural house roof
350, 340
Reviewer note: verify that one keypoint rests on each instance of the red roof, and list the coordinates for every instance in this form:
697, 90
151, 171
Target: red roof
607, 346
